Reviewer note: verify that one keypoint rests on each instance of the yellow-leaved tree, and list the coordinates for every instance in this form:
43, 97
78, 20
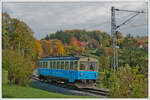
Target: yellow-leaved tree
38, 48
59, 48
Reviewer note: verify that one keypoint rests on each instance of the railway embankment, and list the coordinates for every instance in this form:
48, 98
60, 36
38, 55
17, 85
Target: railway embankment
60, 89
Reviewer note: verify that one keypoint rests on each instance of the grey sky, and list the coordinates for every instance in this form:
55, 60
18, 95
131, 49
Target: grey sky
48, 17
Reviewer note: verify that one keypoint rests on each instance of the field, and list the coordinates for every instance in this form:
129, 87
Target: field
16, 91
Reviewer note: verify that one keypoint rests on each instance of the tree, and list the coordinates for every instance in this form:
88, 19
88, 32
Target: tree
38, 48
128, 82
19, 68
93, 44
59, 48
18, 35
18, 50
74, 41
47, 37
75, 45
47, 47
97, 35
53, 47
6, 20
129, 51
119, 35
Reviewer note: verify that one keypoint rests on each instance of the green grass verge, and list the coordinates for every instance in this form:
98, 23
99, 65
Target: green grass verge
4, 76
15, 91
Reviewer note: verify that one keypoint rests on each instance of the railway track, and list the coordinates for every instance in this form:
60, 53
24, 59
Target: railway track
93, 91
97, 91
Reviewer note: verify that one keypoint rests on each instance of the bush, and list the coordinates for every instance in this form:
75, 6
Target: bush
19, 68
128, 82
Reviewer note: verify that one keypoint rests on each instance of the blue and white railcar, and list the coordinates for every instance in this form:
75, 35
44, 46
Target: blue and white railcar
74, 69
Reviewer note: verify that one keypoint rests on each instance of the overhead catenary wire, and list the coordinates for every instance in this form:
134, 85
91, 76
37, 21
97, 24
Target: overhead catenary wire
133, 26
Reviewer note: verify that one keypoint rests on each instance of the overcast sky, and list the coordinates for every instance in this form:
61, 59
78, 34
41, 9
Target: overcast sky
48, 17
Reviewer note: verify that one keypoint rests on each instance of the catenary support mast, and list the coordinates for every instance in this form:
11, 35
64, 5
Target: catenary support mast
114, 27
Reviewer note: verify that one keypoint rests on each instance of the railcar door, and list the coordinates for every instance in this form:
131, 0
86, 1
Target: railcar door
71, 72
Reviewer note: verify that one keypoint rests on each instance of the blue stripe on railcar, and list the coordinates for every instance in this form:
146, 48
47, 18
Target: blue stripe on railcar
69, 74
87, 75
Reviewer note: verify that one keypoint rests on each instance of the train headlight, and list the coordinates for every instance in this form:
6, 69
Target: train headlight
81, 74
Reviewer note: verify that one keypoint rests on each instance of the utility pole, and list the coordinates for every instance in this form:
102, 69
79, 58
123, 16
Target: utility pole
114, 27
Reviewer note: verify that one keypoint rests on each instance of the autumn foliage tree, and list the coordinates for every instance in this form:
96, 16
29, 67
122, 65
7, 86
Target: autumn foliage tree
58, 47
129, 83
75, 42
18, 46
52, 47
38, 48
47, 48
76, 47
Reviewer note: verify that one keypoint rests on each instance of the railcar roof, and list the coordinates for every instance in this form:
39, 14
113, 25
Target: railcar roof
62, 58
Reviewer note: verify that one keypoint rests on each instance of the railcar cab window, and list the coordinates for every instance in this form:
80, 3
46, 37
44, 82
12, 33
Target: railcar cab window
83, 65
92, 66
75, 65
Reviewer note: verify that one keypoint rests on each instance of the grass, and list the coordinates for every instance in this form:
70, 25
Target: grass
4, 76
16, 91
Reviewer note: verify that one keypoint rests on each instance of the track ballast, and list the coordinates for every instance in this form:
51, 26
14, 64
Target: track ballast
98, 92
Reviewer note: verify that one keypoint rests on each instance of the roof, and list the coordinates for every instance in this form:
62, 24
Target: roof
75, 57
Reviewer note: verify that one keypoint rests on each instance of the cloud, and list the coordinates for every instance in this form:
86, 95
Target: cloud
45, 18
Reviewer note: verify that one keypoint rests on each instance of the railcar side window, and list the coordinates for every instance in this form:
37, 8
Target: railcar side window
62, 64
71, 65
40, 64
66, 65
54, 65
58, 65
83, 65
43, 64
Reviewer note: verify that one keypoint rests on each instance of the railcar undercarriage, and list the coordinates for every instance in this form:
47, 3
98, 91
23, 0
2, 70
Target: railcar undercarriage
78, 83
85, 83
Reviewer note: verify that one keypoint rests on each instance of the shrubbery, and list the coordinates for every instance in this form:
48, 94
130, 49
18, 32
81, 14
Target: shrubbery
19, 50
126, 82
19, 68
